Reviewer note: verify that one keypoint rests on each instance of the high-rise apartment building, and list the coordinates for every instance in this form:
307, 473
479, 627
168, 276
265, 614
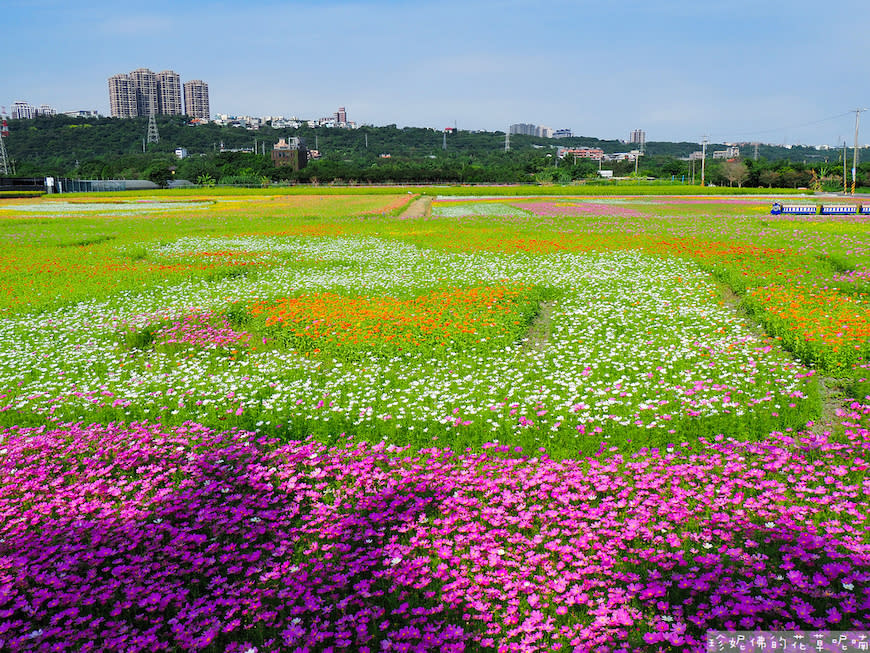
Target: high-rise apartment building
341, 116
146, 91
523, 128
196, 99
638, 136
168, 93
527, 129
122, 96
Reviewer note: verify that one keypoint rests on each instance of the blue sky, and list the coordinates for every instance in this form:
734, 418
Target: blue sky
778, 71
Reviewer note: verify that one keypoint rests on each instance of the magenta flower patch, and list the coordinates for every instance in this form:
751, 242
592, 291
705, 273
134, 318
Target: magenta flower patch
137, 537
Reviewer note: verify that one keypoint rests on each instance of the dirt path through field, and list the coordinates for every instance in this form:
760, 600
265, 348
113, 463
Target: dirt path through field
419, 208
539, 330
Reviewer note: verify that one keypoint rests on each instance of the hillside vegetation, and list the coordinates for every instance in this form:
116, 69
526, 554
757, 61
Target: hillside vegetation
106, 148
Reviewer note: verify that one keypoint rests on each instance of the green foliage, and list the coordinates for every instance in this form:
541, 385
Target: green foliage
13, 194
112, 148
159, 172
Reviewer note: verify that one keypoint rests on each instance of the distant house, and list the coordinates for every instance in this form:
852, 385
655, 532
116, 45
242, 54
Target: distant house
290, 152
732, 152
594, 153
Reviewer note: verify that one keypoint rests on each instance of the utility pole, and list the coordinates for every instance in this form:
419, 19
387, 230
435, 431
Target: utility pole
844, 167
703, 157
507, 140
855, 153
444, 143
755, 156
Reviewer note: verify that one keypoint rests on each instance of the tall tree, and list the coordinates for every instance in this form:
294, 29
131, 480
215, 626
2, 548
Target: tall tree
735, 171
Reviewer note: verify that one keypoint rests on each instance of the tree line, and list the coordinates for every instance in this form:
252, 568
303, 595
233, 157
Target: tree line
114, 148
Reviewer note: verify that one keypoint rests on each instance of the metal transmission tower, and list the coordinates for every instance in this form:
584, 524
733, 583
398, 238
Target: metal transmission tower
507, 140
4, 160
153, 136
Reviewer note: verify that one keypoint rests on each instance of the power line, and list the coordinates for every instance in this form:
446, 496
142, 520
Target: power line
790, 127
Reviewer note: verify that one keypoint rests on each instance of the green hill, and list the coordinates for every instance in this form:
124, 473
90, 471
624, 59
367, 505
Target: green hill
95, 148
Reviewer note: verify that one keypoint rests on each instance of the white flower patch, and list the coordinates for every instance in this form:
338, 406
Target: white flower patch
500, 209
632, 341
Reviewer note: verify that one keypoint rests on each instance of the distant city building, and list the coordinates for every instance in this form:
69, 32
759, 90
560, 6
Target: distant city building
145, 83
196, 99
622, 156
181, 152
523, 129
290, 152
143, 92
280, 122
22, 110
563, 133
527, 129
732, 152
168, 93
122, 96
82, 113
341, 116
638, 136
696, 156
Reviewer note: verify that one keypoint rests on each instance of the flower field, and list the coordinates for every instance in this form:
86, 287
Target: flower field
312, 423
